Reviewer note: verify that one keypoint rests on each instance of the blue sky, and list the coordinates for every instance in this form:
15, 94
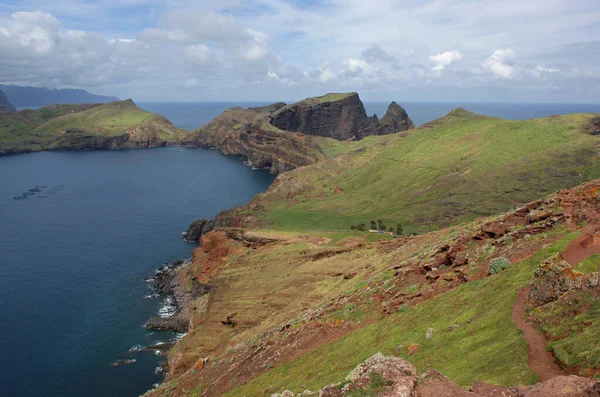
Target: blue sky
432, 50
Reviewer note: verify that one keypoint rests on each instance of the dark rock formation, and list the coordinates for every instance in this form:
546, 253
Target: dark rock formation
200, 228
395, 120
167, 281
340, 119
5, 105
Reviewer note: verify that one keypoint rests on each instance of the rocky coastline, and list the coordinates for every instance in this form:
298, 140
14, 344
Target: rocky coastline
166, 282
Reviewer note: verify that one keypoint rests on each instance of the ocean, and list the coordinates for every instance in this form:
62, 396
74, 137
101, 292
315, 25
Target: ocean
73, 256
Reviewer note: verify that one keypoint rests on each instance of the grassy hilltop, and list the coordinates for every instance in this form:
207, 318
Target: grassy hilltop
448, 171
109, 126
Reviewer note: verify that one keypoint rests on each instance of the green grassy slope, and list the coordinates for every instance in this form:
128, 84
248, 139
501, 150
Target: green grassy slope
83, 126
448, 171
475, 338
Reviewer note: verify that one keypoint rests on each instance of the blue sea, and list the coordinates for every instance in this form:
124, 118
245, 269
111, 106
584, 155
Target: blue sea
73, 257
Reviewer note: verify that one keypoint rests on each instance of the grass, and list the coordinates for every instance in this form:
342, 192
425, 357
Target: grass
574, 325
589, 265
81, 126
486, 346
462, 167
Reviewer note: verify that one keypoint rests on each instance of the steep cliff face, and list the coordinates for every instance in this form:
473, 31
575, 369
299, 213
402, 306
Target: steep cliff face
247, 133
338, 116
395, 120
5, 105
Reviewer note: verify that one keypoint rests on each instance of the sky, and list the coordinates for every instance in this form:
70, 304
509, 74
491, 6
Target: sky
260, 50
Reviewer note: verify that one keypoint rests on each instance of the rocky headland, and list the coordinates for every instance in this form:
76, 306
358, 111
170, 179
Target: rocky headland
283, 137
111, 126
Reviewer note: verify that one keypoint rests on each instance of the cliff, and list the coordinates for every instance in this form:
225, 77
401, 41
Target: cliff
283, 137
337, 116
5, 105
85, 127
247, 133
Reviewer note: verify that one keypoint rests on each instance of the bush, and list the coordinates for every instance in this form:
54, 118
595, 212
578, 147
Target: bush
498, 264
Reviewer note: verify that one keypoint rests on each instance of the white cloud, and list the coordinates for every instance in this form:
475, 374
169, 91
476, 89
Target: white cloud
257, 46
191, 82
500, 63
445, 59
198, 53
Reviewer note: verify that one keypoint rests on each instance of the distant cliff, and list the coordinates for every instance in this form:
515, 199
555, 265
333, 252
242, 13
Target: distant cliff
282, 137
5, 105
37, 96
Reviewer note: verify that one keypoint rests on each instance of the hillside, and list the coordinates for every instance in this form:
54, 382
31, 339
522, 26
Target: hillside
446, 172
39, 96
290, 293
283, 137
75, 127
275, 311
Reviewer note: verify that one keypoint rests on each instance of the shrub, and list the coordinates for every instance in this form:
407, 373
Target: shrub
498, 264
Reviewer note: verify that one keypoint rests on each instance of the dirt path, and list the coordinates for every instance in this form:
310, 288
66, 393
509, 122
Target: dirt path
583, 246
540, 361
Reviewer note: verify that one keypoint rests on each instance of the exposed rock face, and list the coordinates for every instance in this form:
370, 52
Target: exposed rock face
340, 119
5, 105
248, 134
168, 281
395, 120
200, 228
555, 277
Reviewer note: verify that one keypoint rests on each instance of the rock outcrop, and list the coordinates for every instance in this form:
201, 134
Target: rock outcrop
338, 116
555, 277
395, 120
5, 105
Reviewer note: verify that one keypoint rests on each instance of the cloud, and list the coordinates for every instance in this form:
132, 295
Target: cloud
445, 59
500, 63
255, 47
284, 49
198, 53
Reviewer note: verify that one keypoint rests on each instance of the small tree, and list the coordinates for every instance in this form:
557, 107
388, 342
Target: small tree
373, 225
352, 227
381, 224
391, 230
399, 229
362, 227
